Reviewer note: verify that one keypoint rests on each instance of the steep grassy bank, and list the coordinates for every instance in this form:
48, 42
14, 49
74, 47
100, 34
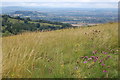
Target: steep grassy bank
90, 52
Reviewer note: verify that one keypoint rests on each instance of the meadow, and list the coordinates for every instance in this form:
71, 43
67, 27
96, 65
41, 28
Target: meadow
86, 52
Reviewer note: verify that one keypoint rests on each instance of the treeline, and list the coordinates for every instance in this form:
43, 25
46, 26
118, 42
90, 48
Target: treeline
20, 25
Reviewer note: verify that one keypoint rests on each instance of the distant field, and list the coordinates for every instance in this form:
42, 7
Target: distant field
87, 52
20, 21
83, 24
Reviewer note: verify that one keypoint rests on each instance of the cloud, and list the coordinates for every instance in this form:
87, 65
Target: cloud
60, 0
64, 4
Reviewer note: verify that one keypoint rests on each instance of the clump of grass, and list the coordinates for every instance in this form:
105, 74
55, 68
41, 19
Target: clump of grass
57, 54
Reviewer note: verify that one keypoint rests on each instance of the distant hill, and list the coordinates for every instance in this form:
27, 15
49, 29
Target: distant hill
67, 15
28, 14
16, 25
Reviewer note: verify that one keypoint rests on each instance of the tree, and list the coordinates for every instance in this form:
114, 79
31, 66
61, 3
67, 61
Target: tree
66, 25
5, 18
28, 19
37, 25
25, 21
17, 17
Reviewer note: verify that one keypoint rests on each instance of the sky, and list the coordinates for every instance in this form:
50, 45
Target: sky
63, 3
60, 0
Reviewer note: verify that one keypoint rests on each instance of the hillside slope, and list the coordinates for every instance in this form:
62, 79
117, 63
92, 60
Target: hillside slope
17, 25
88, 52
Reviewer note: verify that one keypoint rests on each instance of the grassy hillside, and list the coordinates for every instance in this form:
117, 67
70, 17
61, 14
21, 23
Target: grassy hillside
17, 25
88, 52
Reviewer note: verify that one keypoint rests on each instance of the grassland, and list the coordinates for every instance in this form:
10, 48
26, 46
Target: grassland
21, 21
87, 52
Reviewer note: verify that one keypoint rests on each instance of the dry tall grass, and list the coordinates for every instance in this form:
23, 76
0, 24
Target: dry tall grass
56, 54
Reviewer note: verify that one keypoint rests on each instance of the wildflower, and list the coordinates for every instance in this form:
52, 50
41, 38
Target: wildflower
101, 61
104, 71
92, 56
95, 60
109, 56
96, 31
94, 52
111, 50
102, 64
77, 62
104, 52
86, 56
106, 58
82, 56
85, 62
89, 59
76, 68
108, 66
85, 33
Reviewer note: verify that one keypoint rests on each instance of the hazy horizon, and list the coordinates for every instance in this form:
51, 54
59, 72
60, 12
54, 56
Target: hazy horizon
62, 4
